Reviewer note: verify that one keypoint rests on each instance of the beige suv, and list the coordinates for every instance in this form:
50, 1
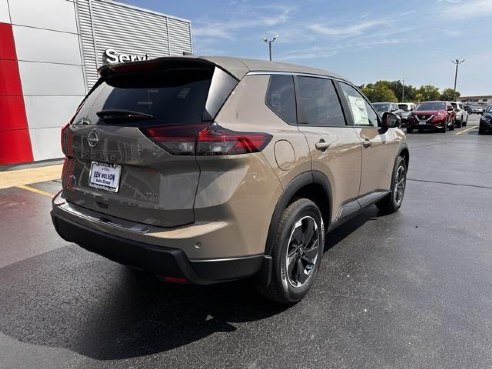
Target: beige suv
208, 169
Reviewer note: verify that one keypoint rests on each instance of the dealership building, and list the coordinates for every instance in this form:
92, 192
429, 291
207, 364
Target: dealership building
49, 54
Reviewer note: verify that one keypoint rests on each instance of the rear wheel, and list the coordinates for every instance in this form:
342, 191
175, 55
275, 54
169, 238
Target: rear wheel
459, 123
392, 202
297, 249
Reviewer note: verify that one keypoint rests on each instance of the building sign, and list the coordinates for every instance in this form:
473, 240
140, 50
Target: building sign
111, 56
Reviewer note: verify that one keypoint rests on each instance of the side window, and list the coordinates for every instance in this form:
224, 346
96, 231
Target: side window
318, 102
280, 97
362, 111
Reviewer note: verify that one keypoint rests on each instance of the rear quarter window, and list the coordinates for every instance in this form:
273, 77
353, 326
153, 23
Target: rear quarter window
281, 99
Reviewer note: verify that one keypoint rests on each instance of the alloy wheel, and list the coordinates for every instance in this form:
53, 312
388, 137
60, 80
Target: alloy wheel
302, 251
399, 189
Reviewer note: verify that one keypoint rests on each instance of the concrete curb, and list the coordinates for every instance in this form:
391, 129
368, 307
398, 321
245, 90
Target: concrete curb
20, 177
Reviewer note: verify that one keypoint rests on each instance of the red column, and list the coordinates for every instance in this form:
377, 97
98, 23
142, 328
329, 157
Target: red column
15, 144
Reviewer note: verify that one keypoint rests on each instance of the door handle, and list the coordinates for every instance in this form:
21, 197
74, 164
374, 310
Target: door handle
366, 143
322, 145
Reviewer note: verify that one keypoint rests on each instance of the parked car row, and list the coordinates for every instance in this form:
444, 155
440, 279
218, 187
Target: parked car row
441, 115
474, 109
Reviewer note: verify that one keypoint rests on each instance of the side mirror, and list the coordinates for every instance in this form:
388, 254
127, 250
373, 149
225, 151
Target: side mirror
389, 120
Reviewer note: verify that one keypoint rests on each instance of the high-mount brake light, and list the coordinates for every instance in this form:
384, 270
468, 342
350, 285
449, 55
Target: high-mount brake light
206, 140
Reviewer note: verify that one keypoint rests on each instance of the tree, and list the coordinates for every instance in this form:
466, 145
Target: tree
448, 94
380, 91
427, 93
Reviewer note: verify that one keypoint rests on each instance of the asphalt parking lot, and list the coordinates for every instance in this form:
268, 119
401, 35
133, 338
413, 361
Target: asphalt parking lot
409, 290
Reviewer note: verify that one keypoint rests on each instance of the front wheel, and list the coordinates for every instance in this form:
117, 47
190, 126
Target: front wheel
297, 249
392, 202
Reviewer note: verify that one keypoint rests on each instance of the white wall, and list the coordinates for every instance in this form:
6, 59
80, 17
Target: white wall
56, 15
50, 68
4, 12
40, 45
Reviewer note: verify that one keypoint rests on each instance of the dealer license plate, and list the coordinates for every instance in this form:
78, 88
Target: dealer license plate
105, 176
423, 122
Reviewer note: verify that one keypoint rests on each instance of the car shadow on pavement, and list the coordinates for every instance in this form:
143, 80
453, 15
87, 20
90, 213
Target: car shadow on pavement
76, 300
72, 299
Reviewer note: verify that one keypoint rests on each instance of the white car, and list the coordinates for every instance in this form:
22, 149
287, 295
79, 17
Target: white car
461, 114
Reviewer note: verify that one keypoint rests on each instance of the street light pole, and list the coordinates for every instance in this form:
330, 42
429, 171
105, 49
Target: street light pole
270, 45
403, 91
457, 62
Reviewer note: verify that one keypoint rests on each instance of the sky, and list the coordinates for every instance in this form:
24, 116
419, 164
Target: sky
364, 41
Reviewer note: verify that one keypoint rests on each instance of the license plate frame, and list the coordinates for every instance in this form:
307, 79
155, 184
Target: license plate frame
105, 176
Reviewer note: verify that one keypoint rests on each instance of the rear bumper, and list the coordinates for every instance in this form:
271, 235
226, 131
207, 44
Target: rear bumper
427, 125
163, 261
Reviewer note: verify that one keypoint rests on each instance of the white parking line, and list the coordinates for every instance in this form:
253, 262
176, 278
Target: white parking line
466, 130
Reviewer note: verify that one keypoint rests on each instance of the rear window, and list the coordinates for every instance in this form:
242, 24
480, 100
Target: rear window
171, 96
404, 107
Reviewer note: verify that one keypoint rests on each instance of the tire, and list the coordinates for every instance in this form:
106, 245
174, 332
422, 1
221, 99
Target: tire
481, 131
295, 261
392, 202
459, 124
409, 130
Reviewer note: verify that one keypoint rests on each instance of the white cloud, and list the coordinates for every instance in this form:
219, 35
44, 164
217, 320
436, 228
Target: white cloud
345, 31
452, 33
244, 17
469, 9
404, 14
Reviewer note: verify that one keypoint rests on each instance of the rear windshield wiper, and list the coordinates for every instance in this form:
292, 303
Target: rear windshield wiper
122, 115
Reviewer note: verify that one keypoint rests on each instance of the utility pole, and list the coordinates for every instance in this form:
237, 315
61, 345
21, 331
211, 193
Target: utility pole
270, 45
457, 62
403, 91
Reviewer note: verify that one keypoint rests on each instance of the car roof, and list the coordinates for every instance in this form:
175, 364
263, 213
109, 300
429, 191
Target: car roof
239, 67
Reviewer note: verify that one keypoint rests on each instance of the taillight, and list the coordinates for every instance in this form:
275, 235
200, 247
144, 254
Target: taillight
177, 140
67, 140
215, 140
206, 139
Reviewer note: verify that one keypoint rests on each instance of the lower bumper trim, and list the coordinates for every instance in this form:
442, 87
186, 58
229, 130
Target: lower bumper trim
163, 261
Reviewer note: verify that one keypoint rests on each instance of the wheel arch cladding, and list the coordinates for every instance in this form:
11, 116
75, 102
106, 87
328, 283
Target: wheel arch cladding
311, 185
406, 155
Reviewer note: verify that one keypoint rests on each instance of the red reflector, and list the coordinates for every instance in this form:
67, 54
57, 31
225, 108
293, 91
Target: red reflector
174, 280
